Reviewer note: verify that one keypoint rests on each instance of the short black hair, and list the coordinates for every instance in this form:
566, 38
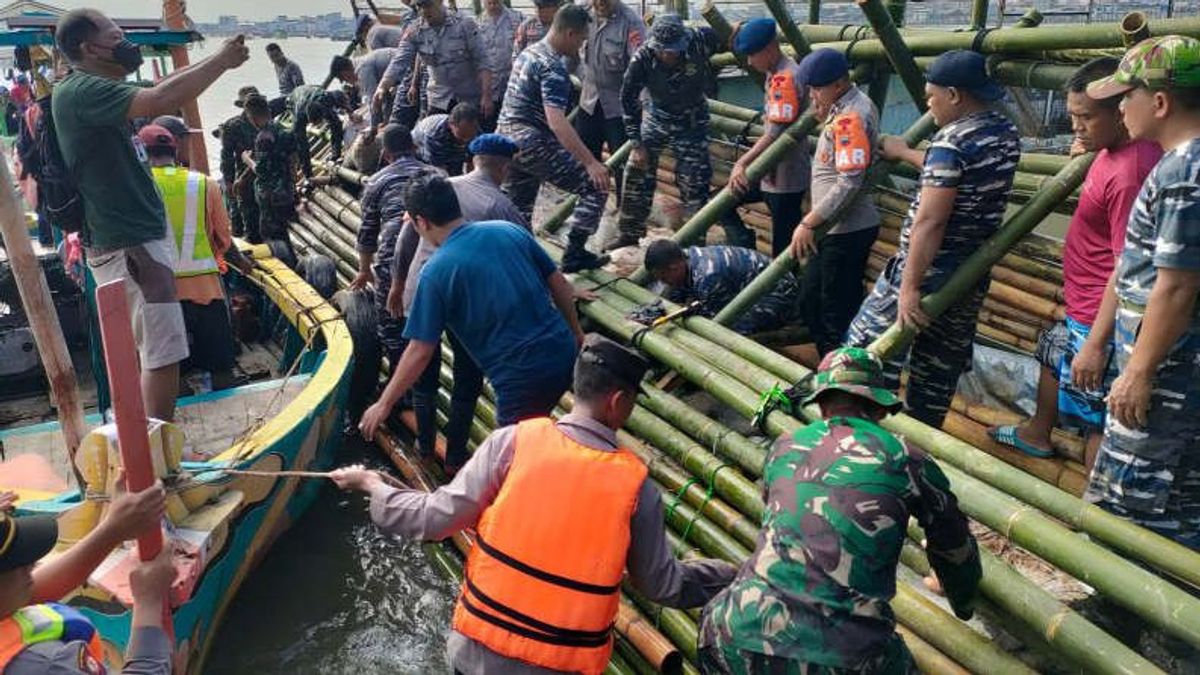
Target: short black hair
274, 47
603, 369
571, 17
663, 252
464, 112
339, 65
1187, 97
397, 139
74, 28
1090, 72
432, 197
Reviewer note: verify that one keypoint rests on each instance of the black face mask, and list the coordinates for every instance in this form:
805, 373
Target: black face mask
127, 55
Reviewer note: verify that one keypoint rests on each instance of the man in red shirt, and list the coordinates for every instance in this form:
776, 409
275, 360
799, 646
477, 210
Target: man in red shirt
1076, 353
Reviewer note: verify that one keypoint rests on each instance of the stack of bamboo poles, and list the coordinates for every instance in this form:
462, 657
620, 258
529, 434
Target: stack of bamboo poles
713, 468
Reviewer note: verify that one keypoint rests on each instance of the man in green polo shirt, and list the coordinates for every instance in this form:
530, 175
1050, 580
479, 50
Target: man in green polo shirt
126, 236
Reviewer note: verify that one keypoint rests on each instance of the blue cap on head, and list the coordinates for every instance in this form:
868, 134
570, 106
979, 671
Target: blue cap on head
492, 144
823, 66
361, 22
965, 70
754, 35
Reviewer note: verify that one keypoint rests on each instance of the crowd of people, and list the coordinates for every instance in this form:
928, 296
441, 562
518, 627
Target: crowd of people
470, 116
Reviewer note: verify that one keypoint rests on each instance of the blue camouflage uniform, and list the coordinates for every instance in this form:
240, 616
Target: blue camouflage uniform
977, 155
539, 79
677, 118
437, 145
716, 274
382, 214
1152, 475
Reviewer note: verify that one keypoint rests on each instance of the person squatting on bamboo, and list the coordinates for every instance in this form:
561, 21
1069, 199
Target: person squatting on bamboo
497, 29
447, 43
237, 136
383, 209
813, 597
480, 199
714, 275
496, 289
365, 72
310, 104
203, 249
614, 34
535, 116
832, 286
39, 639
273, 161
1076, 357
783, 188
673, 69
966, 178
1148, 467
561, 511
125, 235
441, 138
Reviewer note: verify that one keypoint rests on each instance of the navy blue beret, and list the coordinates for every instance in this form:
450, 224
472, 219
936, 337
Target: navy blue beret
822, 67
492, 144
754, 35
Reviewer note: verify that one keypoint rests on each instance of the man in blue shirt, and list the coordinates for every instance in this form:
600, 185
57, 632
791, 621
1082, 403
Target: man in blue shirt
494, 287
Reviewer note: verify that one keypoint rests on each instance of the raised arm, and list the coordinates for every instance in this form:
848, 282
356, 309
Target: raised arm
168, 96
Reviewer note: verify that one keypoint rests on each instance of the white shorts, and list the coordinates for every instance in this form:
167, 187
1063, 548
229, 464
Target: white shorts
149, 273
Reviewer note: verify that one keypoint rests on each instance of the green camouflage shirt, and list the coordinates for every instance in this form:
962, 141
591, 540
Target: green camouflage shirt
839, 494
237, 135
275, 149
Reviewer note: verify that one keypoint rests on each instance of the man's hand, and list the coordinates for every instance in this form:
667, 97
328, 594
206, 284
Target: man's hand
369, 135
1129, 399
804, 242
361, 279
356, 117
583, 294
395, 302
892, 148
151, 579
244, 264
910, 312
639, 158
1088, 366
8, 501
375, 417
598, 173
1077, 148
356, 477
737, 179
413, 94
233, 52
132, 514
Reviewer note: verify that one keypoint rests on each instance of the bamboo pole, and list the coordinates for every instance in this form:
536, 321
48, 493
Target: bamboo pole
897, 52
814, 11
724, 31
175, 19
731, 445
43, 322
979, 14
790, 32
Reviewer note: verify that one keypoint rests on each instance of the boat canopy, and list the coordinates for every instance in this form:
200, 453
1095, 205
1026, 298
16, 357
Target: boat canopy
38, 29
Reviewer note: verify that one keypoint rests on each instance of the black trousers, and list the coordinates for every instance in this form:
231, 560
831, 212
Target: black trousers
787, 208
833, 286
596, 131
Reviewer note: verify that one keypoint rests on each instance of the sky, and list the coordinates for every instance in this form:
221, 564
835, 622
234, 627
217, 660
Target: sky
208, 10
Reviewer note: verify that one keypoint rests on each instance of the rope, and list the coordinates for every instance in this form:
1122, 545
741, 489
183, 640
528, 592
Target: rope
980, 36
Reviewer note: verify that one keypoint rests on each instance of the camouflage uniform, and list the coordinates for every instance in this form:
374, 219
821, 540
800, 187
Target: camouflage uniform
539, 78
310, 103
977, 155
382, 216
237, 136
275, 150
813, 597
716, 274
530, 31
678, 119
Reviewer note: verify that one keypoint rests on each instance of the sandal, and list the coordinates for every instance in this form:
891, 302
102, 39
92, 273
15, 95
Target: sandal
1007, 435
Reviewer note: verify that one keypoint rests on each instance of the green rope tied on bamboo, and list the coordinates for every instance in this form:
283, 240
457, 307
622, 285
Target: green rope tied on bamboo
679, 495
708, 495
772, 399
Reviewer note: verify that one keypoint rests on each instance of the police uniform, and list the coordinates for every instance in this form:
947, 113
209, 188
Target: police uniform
716, 274
497, 34
275, 149
453, 53
237, 136
676, 118
977, 156
310, 104
813, 597
530, 30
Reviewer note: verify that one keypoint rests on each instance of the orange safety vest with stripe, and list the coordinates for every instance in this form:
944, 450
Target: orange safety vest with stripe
783, 98
44, 623
542, 583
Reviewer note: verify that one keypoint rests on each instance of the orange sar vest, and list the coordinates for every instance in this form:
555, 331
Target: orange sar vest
783, 98
43, 623
542, 582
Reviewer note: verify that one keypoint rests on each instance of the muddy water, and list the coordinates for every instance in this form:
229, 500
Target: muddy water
336, 596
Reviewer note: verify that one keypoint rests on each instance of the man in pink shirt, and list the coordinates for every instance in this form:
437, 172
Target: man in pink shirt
1076, 353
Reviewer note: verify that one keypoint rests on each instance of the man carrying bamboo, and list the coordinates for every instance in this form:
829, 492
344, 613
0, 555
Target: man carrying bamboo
1148, 467
813, 597
1075, 354
561, 512
966, 177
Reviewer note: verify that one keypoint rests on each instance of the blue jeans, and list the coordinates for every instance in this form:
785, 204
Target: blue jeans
468, 383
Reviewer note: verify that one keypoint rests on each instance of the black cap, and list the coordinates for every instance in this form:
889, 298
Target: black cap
256, 103
625, 365
23, 541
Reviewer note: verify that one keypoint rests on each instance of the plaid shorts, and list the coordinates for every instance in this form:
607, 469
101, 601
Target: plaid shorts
1056, 348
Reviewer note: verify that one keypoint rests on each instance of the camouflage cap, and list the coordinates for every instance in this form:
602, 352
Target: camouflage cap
853, 370
668, 33
1167, 62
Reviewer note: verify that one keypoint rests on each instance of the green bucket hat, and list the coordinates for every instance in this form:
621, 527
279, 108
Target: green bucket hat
1167, 62
853, 370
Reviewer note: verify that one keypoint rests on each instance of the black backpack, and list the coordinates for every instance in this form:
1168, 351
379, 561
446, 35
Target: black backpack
58, 194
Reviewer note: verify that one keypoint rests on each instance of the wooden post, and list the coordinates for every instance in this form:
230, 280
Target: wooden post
43, 320
176, 20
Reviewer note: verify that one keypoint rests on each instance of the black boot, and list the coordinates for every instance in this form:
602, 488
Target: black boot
578, 259
622, 241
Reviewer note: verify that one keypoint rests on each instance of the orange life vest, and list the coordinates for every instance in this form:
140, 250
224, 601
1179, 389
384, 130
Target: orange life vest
852, 148
43, 623
542, 583
783, 98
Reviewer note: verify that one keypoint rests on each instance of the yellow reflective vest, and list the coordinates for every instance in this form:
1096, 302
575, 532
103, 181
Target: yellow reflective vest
185, 193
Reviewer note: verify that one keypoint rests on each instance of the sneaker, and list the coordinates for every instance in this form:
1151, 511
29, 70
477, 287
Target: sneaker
581, 259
